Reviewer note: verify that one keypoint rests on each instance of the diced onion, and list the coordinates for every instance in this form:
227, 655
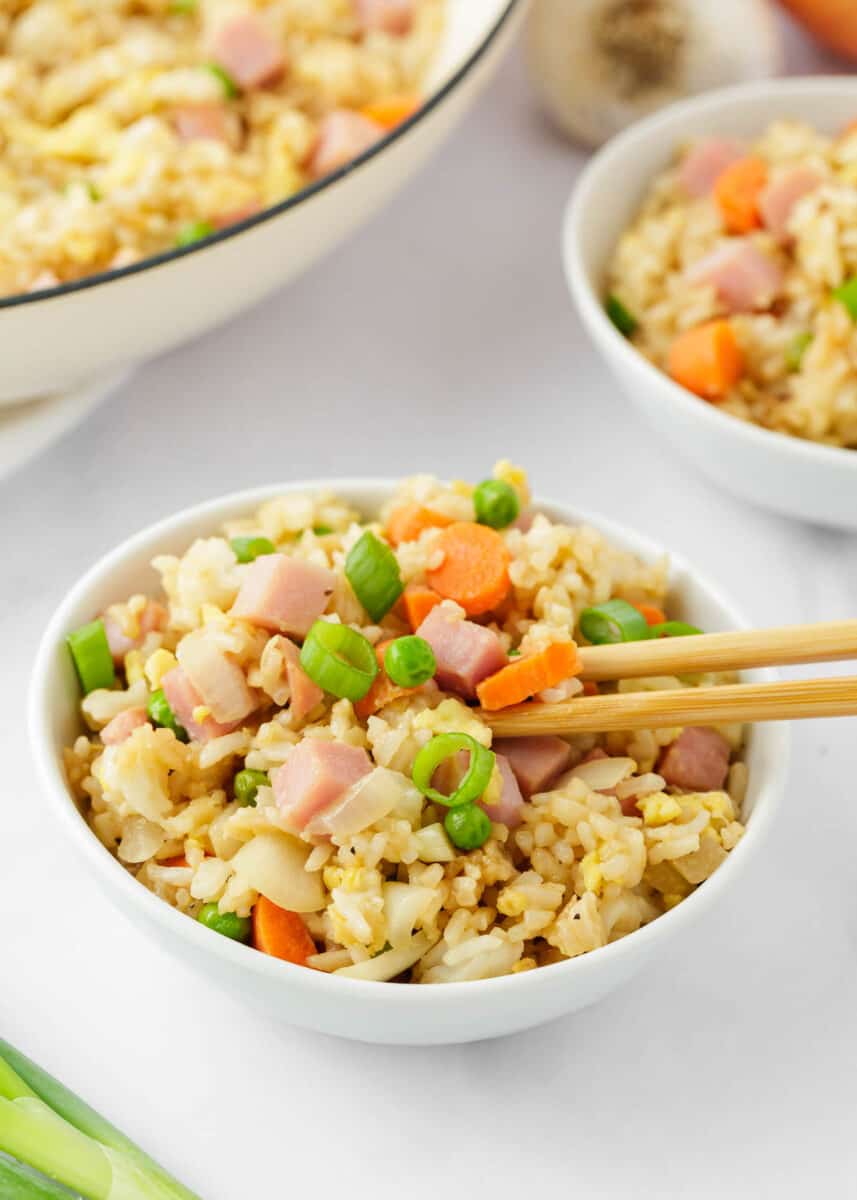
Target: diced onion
602, 774
391, 963
274, 864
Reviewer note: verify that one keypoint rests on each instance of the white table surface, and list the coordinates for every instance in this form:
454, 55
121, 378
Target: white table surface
439, 339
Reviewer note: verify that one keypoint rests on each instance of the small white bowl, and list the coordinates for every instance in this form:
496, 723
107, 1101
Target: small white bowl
790, 475
374, 1012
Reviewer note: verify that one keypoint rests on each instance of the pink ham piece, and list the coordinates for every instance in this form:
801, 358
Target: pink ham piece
698, 760
195, 121
315, 777
777, 202
385, 16
744, 278
183, 699
465, 653
224, 220
217, 677
342, 136
284, 595
123, 725
535, 761
507, 810
705, 161
305, 694
246, 48
153, 617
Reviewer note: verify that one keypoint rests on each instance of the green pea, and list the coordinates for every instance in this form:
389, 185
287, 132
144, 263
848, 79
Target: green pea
496, 503
468, 826
228, 924
248, 549
246, 784
160, 713
410, 661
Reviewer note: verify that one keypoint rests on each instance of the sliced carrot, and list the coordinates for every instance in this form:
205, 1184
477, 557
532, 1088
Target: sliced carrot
590, 688
281, 933
383, 691
408, 522
475, 567
416, 604
707, 360
527, 676
737, 191
390, 111
653, 614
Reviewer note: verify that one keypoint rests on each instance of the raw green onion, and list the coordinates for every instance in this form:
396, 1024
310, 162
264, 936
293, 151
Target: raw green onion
161, 713
248, 549
673, 629
847, 295
194, 232
468, 826
230, 87
624, 320
796, 349
409, 661
496, 503
373, 572
20, 1182
90, 652
246, 784
340, 660
614, 621
229, 924
442, 747
49, 1129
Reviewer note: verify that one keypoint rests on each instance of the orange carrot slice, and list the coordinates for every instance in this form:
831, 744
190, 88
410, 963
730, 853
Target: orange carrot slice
281, 933
408, 522
707, 360
653, 614
383, 691
416, 604
390, 111
737, 191
475, 567
527, 676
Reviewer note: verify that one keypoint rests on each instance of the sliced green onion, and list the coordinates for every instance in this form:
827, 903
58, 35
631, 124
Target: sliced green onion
442, 747
615, 621
468, 826
246, 784
514, 653
373, 572
673, 629
90, 652
160, 713
321, 530
624, 320
228, 924
248, 549
230, 88
847, 295
194, 232
340, 660
409, 661
496, 503
182, 8
796, 349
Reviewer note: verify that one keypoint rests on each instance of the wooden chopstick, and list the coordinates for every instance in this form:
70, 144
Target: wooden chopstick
786, 700
830, 641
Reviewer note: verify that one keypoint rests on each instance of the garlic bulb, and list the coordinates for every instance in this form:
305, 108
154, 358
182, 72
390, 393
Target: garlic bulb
598, 65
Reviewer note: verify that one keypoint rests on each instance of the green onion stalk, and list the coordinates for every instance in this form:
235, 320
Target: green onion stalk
52, 1145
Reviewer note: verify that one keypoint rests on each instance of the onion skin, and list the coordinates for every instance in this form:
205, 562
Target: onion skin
833, 22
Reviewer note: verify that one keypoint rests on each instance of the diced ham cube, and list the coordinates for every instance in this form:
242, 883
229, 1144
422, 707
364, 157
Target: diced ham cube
698, 760
123, 725
184, 700
342, 136
777, 202
386, 16
535, 761
315, 777
245, 47
705, 161
195, 121
217, 677
305, 694
283, 594
466, 653
153, 617
744, 278
224, 220
507, 810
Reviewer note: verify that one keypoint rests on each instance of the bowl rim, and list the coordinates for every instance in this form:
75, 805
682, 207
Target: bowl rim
115, 878
584, 196
99, 278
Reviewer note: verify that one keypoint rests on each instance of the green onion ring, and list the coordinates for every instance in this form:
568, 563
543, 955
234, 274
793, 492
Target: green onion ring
372, 569
340, 660
90, 652
443, 746
673, 629
615, 621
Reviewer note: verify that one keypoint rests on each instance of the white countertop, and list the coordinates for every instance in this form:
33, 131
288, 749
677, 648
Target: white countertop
439, 339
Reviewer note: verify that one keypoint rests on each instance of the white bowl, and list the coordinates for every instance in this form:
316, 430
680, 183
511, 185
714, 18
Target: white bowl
792, 476
110, 320
375, 1012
